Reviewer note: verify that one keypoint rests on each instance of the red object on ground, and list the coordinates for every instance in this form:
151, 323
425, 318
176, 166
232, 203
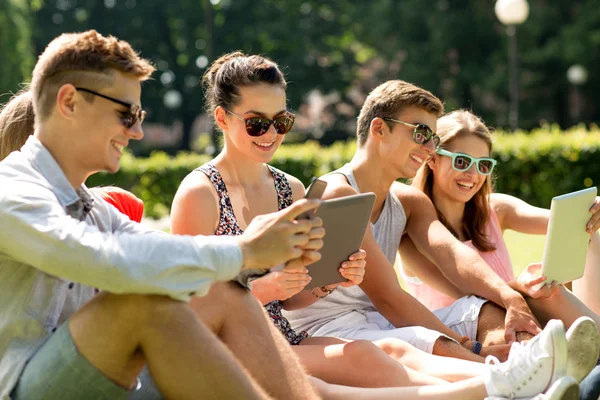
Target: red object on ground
126, 202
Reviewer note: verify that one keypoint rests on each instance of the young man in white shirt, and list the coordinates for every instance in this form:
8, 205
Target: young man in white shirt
60, 245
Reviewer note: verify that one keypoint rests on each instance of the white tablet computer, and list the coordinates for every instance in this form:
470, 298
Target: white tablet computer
345, 221
566, 238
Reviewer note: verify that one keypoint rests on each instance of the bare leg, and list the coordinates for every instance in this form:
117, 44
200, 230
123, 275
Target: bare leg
358, 363
242, 324
119, 334
563, 305
491, 323
586, 288
449, 348
472, 389
446, 368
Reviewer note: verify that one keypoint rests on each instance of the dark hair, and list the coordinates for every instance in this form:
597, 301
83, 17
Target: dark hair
463, 123
389, 99
223, 80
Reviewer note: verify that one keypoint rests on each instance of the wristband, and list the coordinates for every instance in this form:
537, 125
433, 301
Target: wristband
476, 347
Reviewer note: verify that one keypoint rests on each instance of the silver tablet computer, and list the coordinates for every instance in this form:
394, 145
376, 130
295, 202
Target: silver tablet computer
345, 221
566, 238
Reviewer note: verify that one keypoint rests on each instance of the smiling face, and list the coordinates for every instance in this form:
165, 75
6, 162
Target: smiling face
459, 186
261, 100
100, 135
399, 148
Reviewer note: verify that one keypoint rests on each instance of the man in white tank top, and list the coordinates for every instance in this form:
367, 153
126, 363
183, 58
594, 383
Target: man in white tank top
395, 137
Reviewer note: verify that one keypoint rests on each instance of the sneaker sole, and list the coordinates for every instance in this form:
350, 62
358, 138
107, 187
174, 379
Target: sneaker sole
583, 344
566, 389
559, 343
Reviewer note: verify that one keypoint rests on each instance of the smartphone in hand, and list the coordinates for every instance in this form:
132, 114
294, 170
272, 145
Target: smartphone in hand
315, 191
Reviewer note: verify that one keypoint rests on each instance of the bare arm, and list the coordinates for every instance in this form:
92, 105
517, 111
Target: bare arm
461, 264
195, 209
519, 216
37, 231
417, 264
381, 284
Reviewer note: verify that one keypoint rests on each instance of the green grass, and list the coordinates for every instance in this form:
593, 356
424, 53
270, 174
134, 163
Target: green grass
524, 249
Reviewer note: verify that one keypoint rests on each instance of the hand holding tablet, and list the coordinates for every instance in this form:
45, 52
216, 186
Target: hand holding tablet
567, 239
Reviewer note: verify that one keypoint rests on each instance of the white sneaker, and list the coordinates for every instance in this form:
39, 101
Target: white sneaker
565, 388
583, 344
531, 368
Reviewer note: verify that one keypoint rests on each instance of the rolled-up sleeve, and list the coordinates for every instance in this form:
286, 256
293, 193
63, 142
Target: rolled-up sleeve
35, 230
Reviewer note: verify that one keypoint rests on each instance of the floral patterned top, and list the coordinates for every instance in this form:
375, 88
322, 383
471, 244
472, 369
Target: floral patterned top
228, 225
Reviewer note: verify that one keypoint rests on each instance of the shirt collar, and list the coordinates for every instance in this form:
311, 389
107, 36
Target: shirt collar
77, 202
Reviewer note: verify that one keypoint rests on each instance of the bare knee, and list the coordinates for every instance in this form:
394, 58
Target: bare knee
361, 353
394, 348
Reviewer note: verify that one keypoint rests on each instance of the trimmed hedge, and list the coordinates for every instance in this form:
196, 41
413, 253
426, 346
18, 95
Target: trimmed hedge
534, 166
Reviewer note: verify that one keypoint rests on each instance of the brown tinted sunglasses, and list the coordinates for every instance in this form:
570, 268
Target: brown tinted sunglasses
129, 118
258, 126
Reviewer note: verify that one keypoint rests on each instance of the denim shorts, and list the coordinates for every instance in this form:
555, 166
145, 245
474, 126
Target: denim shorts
58, 371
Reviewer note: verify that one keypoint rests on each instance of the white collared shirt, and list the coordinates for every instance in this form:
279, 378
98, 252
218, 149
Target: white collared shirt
54, 251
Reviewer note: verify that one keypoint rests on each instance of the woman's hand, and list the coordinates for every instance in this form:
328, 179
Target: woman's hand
281, 285
594, 223
530, 280
354, 269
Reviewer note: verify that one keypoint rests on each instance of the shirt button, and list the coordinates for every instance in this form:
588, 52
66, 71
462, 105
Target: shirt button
71, 285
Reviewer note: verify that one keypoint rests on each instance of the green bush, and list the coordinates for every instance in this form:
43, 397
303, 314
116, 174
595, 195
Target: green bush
534, 166
547, 162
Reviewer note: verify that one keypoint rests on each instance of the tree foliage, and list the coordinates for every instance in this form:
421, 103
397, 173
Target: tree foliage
340, 49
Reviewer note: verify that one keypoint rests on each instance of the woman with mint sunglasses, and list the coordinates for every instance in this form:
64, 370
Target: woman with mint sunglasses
458, 179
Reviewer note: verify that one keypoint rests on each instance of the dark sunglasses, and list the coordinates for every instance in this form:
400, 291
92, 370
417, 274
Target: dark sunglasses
462, 162
258, 126
421, 132
129, 118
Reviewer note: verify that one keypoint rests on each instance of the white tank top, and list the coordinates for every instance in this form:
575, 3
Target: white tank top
387, 230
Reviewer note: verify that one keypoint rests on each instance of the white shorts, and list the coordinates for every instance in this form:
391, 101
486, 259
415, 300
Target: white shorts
461, 317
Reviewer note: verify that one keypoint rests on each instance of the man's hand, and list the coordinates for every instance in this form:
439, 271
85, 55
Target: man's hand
500, 351
277, 238
519, 319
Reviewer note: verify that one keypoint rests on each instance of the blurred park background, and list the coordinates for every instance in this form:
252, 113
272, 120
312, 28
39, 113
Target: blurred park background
535, 72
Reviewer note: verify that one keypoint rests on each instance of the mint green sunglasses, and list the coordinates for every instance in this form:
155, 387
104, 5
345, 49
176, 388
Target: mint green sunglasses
462, 162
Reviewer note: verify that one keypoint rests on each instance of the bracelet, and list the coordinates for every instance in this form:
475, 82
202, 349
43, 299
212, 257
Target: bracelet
463, 340
325, 290
476, 347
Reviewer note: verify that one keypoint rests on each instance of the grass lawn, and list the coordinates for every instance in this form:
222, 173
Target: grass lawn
524, 250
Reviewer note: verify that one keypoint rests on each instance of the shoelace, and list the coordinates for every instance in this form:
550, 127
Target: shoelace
518, 369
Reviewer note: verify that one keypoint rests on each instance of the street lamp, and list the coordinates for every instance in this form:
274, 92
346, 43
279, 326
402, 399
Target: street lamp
577, 76
512, 13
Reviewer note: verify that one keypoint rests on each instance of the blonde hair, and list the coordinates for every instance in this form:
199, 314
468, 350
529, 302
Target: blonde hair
389, 99
16, 122
463, 123
82, 59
